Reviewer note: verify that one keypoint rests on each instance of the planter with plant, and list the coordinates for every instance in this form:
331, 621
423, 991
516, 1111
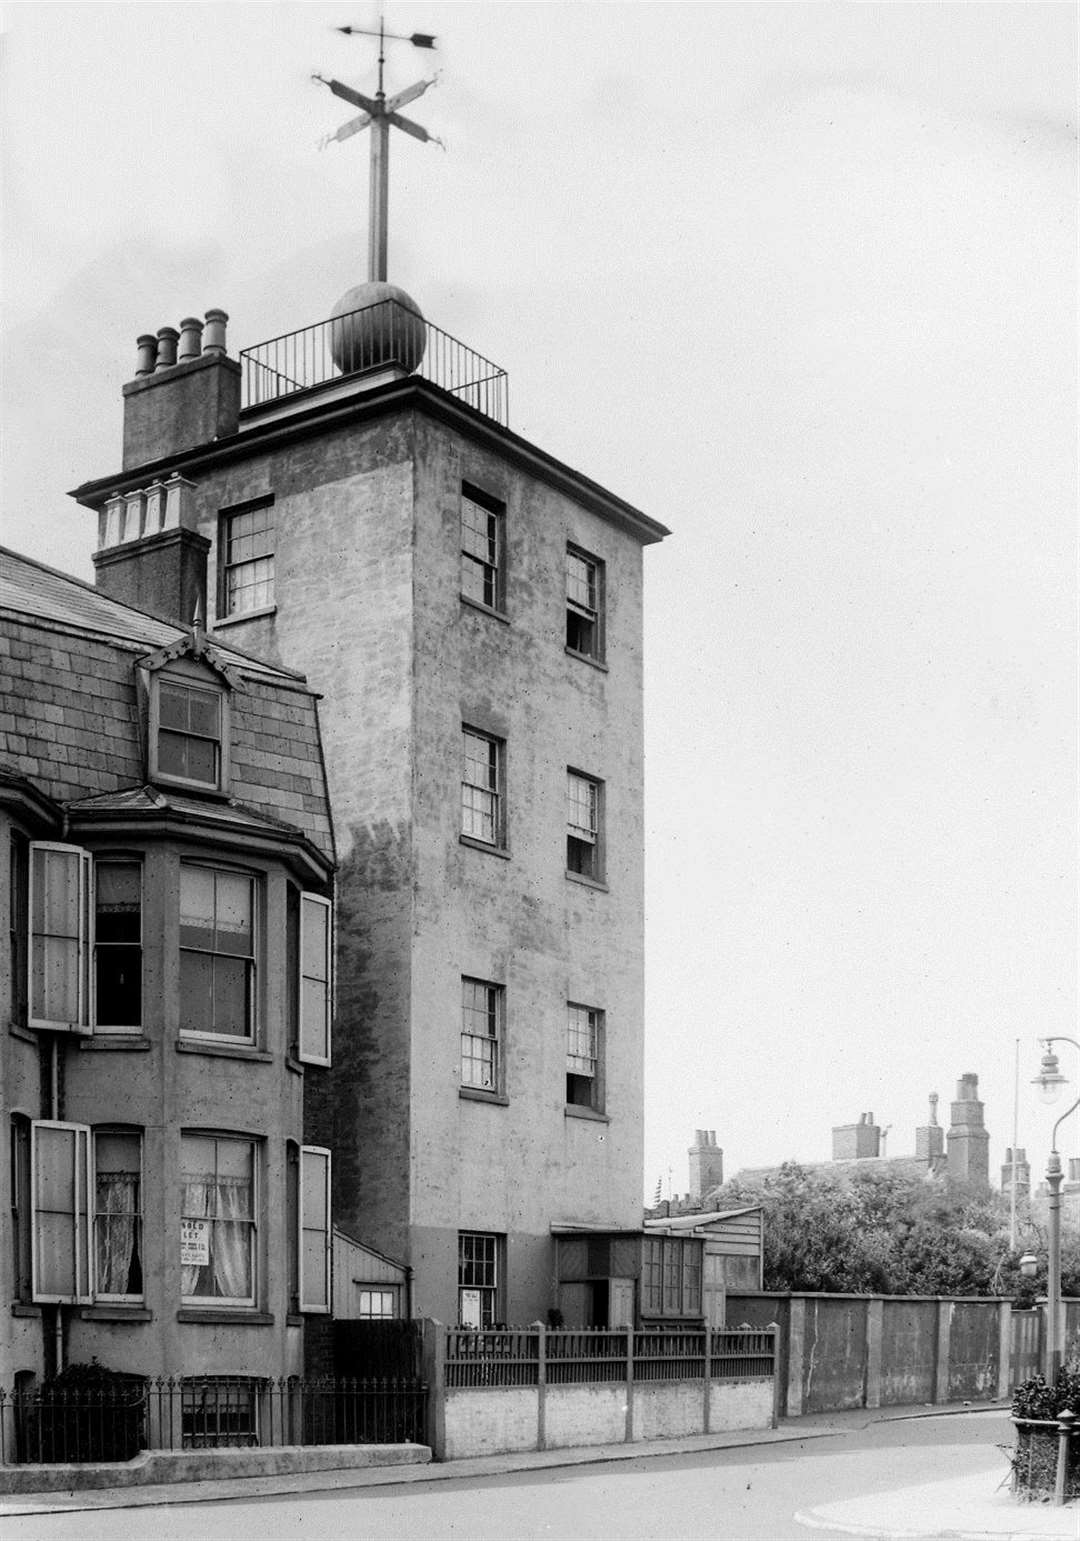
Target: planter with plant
1036, 1410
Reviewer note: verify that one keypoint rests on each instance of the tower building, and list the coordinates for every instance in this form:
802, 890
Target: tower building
349, 498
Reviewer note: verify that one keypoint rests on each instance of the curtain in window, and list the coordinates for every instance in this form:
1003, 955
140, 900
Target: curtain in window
119, 1271
226, 1203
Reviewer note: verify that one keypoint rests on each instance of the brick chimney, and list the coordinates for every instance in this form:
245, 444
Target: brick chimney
856, 1142
967, 1141
185, 391
706, 1165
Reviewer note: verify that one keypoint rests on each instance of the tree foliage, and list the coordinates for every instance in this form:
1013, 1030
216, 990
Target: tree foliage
872, 1231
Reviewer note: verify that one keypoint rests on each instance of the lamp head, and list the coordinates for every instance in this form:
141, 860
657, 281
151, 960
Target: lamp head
1050, 1079
1029, 1265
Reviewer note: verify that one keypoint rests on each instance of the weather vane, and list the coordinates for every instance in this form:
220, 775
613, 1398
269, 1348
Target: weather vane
380, 114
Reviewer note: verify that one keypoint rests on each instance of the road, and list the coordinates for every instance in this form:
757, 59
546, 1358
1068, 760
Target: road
738, 1494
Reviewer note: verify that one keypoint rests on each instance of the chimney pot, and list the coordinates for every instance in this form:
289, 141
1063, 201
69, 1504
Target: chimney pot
166, 347
214, 335
147, 354
190, 339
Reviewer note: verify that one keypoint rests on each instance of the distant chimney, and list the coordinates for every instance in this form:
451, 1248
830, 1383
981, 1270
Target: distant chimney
1021, 1172
930, 1138
150, 554
706, 1165
856, 1142
967, 1141
180, 400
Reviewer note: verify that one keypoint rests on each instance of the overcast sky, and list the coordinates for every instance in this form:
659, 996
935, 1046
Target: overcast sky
798, 280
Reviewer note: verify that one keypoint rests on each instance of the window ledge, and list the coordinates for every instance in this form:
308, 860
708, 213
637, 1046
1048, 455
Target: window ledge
115, 1313
476, 604
134, 1043
577, 1110
17, 1030
24, 1308
242, 615
238, 1316
597, 663
217, 794
587, 882
482, 845
477, 1094
293, 1064
294, 1319
223, 1050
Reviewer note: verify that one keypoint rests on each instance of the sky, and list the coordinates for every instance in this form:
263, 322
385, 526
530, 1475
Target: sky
799, 281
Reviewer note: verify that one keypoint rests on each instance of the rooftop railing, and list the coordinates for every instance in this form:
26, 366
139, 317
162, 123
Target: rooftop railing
386, 336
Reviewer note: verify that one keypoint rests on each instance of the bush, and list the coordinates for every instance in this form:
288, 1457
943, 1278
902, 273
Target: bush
86, 1413
1036, 1398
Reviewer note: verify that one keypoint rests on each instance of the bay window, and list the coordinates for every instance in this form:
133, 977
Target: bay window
218, 1207
217, 952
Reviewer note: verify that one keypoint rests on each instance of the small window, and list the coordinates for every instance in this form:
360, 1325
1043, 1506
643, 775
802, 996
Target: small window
247, 553
117, 946
187, 732
60, 932
671, 1276
314, 1229
61, 1204
481, 788
218, 1220
481, 549
481, 1035
118, 1273
376, 1305
584, 853
584, 1041
480, 1282
584, 604
217, 952
219, 1410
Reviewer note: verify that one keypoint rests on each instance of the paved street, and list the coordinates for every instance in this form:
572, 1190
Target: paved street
751, 1493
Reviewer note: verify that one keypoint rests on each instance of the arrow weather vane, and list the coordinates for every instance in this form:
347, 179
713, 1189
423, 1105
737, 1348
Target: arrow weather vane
380, 114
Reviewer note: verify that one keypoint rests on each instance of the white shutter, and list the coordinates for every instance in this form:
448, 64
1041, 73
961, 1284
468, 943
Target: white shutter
314, 984
314, 1229
61, 1207
60, 937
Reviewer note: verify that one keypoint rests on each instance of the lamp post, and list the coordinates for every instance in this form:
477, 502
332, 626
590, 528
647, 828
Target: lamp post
1050, 1081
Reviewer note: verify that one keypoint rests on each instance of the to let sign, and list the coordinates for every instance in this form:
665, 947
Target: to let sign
194, 1243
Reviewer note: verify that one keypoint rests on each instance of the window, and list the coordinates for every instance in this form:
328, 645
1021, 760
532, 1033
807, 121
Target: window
59, 932
118, 1273
481, 1035
671, 1276
117, 945
187, 732
481, 787
61, 1204
219, 1410
18, 886
20, 1206
583, 832
378, 1305
314, 1229
310, 945
584, 1035
217, 1224
247, 554
584, 604
481, 549
479, 1278
217, 952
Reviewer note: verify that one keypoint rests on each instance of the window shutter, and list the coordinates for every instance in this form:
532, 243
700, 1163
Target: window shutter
314, 1229
60, 937
314, 984
61, 1204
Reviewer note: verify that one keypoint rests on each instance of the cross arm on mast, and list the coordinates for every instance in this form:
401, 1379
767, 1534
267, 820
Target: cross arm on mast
412, 128
347, 94
410, 93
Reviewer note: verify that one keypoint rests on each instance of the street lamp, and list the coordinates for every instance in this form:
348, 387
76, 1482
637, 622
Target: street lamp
1050, 1081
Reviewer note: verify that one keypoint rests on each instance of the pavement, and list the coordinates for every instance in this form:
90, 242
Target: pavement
967, 1508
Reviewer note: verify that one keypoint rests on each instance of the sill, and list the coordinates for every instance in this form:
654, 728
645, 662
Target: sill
293, 1064
218, 794
242, 615
115, 1313
476, 1094
294, 1319
224, 1050
482, 845
578, 1110
17, 1030
236, 1316
581, 877
477, 604
134, 1043
24, 1308
597, 663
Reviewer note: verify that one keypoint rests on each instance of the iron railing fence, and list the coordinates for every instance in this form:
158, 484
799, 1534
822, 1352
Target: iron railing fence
522, 1357
386, 335
46, 1424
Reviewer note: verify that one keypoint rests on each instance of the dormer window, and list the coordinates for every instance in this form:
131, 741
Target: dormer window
188, 728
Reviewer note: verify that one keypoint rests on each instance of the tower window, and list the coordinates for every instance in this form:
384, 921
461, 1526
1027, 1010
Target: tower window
247, 548
480, 1282
482, 577
584, 1039
481, 787
584, 604
481, 1035
584, 845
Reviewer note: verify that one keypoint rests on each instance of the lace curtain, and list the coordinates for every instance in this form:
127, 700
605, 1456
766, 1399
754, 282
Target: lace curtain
226, 1203
119, 1267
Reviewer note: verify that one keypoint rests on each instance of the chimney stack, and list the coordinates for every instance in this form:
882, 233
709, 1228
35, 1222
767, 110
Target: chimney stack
706, 1165
180, 399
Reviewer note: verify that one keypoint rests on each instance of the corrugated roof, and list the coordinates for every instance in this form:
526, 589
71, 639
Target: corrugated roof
30, 588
